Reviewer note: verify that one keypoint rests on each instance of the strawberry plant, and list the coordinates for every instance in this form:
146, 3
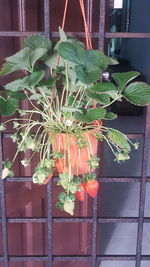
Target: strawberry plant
62, 82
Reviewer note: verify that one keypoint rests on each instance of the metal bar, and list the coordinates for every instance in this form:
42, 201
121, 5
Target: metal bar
18, 33
49, 186
127, 35
94, 232
77, 258
47, 18
101, 179
129, 135
77, 220
49, 219
119, 179
22, 15
95, 219
79, 34
89, 14
102, 25
143, 188
3, 211
27, 220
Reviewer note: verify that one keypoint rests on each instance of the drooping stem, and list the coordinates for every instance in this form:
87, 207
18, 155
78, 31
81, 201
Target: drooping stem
118, 97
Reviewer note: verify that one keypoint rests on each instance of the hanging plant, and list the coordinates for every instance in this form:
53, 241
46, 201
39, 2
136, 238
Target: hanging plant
73, 104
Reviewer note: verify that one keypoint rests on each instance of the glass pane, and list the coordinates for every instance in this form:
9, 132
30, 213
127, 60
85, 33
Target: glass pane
117, 238
1, 244
145, 264
34, 15
28, 263
136, 52
137, 24
119, 200
148, 171
147, 201
132, 53
30, 200
146, 239
9, 15
127, 124
117, 264
72, 238
71, 264
129, 168
124, 16
27, 239
74, 21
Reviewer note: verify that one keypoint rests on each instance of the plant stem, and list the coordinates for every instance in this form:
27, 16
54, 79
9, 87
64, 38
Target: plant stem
112, 101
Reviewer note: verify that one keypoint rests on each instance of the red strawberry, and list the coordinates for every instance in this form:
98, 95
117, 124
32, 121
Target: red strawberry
80, 194
59, 164
92, 187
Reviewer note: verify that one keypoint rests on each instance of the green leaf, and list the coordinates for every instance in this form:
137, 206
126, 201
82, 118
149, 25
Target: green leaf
62, 34
104, 88
62, 197
70, 100
90, 115
17, 95
8, 107
86, 77
17, 85
37, 41
110, 116
9, 67
112, 61
49, 83
118, 139
72, 76
138, 93
124, 77
100, 98
71, 109
7, 164
52, 61
95, 58
37, 54
36, 77
21, 59
72, 51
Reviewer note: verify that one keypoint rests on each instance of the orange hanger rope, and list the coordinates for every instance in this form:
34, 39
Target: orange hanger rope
87, 34
64, 15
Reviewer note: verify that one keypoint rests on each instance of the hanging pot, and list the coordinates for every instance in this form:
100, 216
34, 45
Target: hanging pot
75, 159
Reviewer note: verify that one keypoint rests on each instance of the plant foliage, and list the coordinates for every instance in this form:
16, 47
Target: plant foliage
66, 96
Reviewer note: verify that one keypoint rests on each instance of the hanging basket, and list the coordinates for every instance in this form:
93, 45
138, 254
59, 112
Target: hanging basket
75, 159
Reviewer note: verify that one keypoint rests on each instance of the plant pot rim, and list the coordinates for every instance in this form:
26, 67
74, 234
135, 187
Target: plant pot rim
71, 134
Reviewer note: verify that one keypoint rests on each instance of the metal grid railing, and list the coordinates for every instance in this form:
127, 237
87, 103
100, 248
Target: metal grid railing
94, 220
